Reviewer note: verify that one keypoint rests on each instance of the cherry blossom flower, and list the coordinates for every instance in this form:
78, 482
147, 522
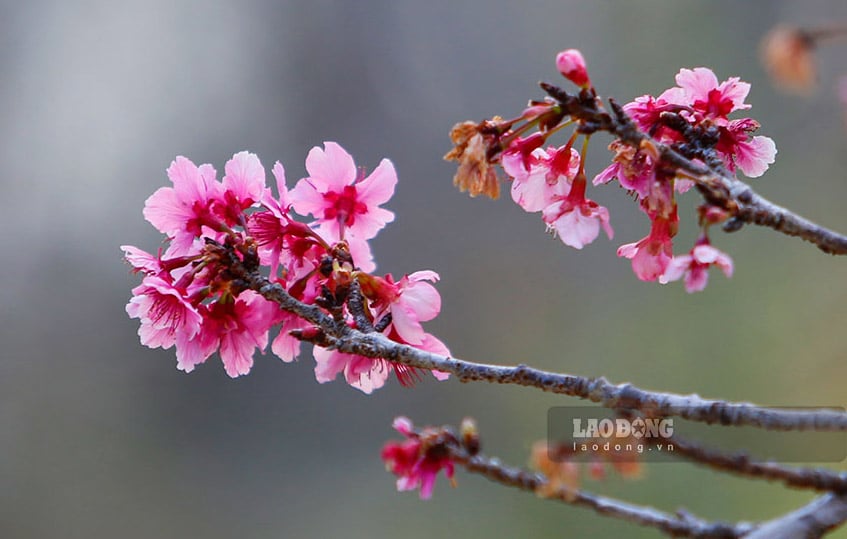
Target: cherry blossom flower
236, 328
417, 460
183, 210
344, 202
363, 373
575, 219
694, 266
753, 155
367, 374
164, 312
699, 89
651, 255
541, 175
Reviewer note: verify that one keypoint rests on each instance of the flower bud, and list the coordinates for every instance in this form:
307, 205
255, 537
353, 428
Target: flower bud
571, 65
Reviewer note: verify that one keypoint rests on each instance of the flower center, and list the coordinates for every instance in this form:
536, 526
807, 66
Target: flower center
343, 206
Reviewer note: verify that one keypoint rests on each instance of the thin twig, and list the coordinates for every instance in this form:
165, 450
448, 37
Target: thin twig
682, 525
741, 464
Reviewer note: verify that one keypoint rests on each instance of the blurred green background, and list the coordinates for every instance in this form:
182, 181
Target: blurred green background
102, 437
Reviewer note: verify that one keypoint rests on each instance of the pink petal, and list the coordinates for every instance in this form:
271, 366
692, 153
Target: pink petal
754, 157
192, 352
403, 425
736, 91
165, 212
576, 230
406, 323
236, 351
676, 269
378, 187
367, 225
696, 279
141, 260
607, 174
328, 363
628, 250
422, 298
697, 82
244, 176
306, 200
330, 169
366, 374
281, 188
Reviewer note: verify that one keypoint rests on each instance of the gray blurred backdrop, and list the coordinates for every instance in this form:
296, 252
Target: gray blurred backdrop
102, 437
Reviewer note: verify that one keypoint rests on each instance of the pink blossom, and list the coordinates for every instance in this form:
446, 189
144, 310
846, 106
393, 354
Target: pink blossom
164, 311
575, 219
540, 176
363, 373
650, 256
753, 155
571, 65
694, 266
367, 374
236, 328
416, 460
344, 202
699, 89
579, 224
411, 300
182, 211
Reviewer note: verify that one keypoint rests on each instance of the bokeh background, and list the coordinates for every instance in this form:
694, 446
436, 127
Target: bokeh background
101, 437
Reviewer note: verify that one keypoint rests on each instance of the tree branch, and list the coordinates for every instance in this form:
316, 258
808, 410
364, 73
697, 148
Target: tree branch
741, 464
821, 516
681, 525
620, 397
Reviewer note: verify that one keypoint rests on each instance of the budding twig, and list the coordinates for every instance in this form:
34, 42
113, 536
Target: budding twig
682, 525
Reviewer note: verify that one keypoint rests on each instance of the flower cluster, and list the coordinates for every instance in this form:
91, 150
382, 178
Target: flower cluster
692, 118
191, 298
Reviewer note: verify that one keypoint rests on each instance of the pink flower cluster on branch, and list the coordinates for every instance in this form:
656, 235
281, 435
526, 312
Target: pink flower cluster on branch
691, 118
191, 300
